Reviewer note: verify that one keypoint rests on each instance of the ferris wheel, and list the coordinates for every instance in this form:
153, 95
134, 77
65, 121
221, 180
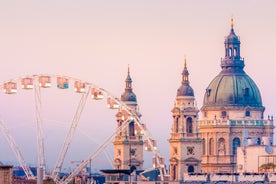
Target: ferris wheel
37, 84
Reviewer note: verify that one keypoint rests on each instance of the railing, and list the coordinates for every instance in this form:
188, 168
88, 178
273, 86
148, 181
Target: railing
203, 177
219, 159
123, 137
182, 135
236, 122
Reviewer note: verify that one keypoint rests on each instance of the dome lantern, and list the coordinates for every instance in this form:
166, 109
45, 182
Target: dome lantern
128, 95
185, 89
232, 60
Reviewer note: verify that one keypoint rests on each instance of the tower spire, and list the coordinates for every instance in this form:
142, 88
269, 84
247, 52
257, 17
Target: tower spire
185, 73
232, 22
128, 81
185, 63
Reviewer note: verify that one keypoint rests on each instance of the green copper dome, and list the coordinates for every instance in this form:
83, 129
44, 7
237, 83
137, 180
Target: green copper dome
232, 90
232, 87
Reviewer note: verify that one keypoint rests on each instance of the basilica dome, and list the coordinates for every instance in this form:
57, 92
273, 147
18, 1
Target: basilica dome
232, 87
232, 90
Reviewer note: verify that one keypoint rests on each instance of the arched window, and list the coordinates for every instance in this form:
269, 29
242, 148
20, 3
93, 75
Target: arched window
189, 125
235, 145
211, 147
203, 147
119, 124
235, 51
247, 113
191, 169
176, 124
223, 114
174, 171
230, 52
221, 146
131, 129
258, 141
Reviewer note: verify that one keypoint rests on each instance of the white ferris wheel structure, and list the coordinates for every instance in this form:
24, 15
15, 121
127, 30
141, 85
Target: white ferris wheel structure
38, 82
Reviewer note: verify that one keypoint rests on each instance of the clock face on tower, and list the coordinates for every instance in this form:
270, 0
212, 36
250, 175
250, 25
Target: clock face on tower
190, 150
132, 152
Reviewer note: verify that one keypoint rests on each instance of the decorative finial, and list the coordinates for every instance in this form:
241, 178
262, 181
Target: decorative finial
128, 69
232, 22
185, 64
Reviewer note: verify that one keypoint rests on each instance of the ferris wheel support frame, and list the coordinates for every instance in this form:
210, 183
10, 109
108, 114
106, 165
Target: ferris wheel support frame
70, 134
15, 149
39, 131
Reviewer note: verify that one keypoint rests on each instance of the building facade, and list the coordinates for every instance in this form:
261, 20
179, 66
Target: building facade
6, 174
232, 116
232, 112
263, 160
128, 144
185, 143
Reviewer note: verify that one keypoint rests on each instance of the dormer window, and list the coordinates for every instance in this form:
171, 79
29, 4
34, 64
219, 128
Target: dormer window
246, 92
208, 91
223, 114
247, 113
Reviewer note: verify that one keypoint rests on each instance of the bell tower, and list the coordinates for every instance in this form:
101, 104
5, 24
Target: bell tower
185, 143
128, 144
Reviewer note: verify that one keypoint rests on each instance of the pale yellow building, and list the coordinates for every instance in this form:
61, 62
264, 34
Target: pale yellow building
185, 143
232, 115
128, 144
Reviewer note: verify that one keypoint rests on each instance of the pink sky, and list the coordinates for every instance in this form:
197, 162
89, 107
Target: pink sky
95, 41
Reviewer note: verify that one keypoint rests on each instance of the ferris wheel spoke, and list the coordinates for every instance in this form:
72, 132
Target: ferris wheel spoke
16, 150
95, 153
68, 139
107, 155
